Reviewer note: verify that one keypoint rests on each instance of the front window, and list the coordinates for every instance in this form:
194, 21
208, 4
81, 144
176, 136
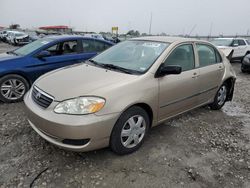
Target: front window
132, 55
222, 42
182, 56
29, 48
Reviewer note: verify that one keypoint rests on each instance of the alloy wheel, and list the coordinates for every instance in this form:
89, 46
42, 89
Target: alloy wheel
222, 95
13, 89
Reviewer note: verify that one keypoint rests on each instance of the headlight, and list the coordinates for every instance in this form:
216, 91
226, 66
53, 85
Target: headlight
246, 60
80, 106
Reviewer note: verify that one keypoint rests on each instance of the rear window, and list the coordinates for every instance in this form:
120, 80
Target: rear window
207, 55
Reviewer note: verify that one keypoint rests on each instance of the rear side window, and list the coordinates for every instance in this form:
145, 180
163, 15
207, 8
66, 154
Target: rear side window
182, 56
242, 43
235, 43
207, 55
94, 46
248, 42
218, 56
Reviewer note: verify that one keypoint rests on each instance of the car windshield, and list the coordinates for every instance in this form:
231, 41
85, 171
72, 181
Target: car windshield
137, 56
27, 49
222, 42
19, 34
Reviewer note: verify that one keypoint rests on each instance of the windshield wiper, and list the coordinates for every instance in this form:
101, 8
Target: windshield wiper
114, 67
121, 69
12, 52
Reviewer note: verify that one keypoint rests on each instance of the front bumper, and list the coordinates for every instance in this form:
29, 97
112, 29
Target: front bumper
57, 127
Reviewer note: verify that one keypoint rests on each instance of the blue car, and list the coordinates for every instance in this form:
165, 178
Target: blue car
21, 67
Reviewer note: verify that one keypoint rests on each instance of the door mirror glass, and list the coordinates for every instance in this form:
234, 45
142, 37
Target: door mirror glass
169, 69
43, 54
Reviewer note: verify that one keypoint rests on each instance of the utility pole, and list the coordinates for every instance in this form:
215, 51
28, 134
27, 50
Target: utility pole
150, 24
192, 30
211, 28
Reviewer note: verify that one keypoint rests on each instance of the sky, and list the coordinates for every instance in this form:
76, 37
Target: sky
174, 17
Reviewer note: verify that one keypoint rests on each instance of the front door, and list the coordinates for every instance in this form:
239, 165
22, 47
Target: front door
178, 93
61, 54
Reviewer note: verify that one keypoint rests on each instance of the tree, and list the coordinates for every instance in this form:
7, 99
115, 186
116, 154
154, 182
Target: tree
14, 26
133, 33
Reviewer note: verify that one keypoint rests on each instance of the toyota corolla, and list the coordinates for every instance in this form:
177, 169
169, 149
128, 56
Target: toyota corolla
116, 97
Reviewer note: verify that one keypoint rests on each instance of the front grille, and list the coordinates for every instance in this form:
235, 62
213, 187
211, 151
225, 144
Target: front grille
41, 98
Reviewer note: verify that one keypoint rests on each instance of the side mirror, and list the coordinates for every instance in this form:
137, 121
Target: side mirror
235, 45
43, 54
165, 70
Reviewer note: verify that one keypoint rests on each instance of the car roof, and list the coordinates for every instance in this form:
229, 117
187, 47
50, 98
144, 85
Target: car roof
228, 38
167, 39
72, 37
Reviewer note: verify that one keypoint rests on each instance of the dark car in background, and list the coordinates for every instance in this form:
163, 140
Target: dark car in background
245, 65
21, 67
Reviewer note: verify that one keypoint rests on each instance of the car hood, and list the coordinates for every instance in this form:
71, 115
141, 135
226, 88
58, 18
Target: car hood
5, 56
81, 80
21, 37
223, 47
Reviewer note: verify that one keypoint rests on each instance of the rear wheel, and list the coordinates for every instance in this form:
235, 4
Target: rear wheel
12, 88
130, 130
220, 98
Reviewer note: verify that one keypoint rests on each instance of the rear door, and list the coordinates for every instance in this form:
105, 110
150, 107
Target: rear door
178, 93
211, 69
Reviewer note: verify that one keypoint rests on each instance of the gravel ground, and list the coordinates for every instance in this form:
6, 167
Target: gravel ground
202, 148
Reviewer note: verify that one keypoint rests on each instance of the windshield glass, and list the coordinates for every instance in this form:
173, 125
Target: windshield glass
19, 34
132, 55
27, 49
222, 42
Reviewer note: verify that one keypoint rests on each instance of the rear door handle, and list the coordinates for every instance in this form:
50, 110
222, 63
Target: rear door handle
195, 75
220, 68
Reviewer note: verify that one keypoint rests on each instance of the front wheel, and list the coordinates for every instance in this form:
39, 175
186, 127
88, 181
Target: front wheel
129, 131
12, 88
220, 98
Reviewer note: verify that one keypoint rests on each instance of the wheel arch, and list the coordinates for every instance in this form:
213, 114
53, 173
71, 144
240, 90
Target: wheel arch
145, 107
230, 84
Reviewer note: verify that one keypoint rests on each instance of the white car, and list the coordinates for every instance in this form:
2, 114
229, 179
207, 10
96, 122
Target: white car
237, 48
17, 38
94, 35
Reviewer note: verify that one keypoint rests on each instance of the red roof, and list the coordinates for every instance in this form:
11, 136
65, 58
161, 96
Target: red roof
55, 27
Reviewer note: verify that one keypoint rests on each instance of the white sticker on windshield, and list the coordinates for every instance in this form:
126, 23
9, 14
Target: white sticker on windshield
142, 68
151, 44
44, 42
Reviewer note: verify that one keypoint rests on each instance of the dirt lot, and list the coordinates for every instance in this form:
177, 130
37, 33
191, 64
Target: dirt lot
202, 148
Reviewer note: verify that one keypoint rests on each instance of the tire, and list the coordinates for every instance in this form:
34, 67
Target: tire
133, 136
13, 88
220, 97
15, 43
243, 70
